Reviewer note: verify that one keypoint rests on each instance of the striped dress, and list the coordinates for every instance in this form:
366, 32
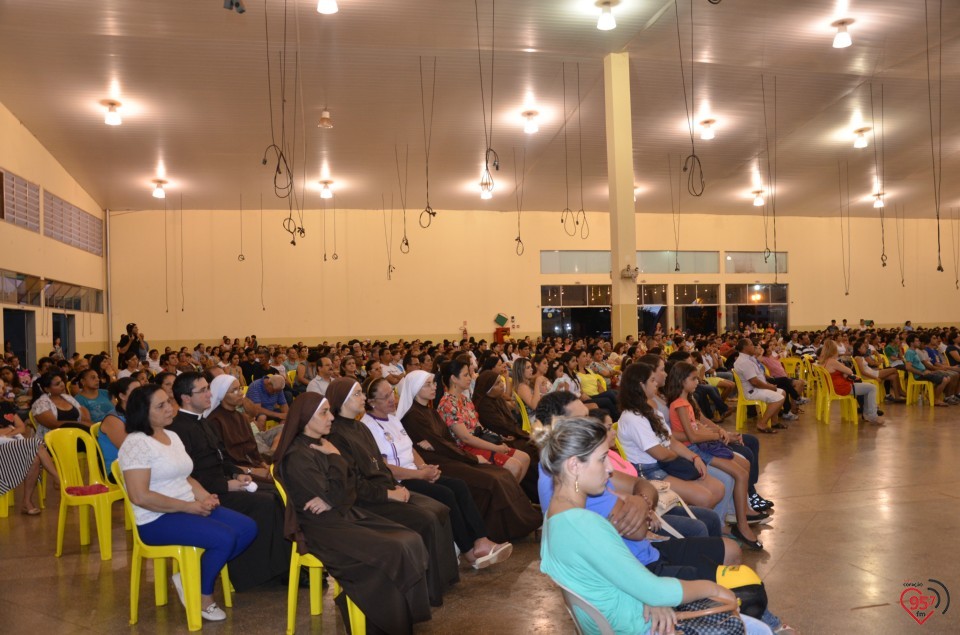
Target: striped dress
16, 457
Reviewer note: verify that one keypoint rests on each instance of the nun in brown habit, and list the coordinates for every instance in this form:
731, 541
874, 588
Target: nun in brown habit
380, 564
507, 512
495, 415
379, 492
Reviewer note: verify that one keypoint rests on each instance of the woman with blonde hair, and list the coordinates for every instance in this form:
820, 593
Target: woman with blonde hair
845, 381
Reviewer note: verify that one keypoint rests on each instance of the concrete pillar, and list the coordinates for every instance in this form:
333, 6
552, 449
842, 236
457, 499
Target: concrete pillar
623, 245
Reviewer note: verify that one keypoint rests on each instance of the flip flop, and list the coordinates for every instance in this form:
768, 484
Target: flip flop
30, 512
498, 554
766, 430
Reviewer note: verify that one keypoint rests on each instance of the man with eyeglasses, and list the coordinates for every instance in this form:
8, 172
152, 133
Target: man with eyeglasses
268, 556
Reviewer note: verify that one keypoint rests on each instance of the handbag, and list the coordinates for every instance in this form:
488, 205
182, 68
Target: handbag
487, 435
680, 468
667, 499
716, 449
710, 616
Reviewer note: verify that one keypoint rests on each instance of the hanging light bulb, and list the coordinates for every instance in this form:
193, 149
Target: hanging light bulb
861, 139
327, 7
530, 125
758, 200
325, 121
706, 129
158, 188
878, 200
486, 184
112, 116
842, 39
325, 191
607, 22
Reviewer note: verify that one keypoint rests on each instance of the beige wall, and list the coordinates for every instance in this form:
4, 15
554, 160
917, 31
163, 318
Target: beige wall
29, 252
464, 268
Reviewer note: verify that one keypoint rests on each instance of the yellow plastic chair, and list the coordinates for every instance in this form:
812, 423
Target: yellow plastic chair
6, 502
186, 559
790, 365
358, 621
743, 403
918, 387
95, 433
616, 442
42, 487
62, 444
828, 394
523, 414
806, 367
291, 377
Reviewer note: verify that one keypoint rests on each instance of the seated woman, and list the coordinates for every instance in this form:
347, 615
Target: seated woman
348, 368
165, 380
409, 468
650, 447
233, 369
104, 368
233, 427
506, 511
113, 428
530, 382
845, 381
92, 397
710, 445
21, 458
55, 408
793, 388
379, 492
170, 508
593, 385
461, 419
583, 552
862, 358
14, 392
381, 565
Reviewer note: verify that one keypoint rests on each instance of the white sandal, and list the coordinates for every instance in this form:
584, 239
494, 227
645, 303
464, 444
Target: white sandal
499, 553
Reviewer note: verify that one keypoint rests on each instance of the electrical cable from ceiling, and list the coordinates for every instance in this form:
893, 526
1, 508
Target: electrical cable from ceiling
183, 299
388, 238
936, 138
846, 253
428, 214
520, 183
404, 243
263, 306
166, 260
900, 225
691, 165
770, 203
675, 211
486, 179
879, 166
955, 240
567, 213
581, 217
241, 257
335, 256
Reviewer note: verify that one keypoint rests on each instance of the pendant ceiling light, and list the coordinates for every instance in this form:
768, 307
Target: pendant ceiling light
878, 200
325, 191
112, 116
327, 7
607, 22
158, 188
758, 200
707, 131
325, 120
530, 125
861, 137
842, 39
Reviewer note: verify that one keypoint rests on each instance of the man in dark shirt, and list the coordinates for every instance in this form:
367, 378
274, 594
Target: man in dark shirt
269, 554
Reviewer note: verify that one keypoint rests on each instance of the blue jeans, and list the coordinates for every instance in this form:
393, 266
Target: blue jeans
223, 535
755, 626
725, 506
705, 524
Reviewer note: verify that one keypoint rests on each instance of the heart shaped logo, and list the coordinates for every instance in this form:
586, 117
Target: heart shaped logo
917, 605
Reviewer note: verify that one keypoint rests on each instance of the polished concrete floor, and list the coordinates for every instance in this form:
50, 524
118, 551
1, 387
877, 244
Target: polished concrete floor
860, 510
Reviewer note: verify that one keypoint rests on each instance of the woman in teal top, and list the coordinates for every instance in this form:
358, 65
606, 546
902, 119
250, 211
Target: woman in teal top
583, 552
113, 428
92, 397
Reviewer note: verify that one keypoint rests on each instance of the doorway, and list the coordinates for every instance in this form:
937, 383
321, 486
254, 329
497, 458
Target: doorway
697, 319
20, 330
64, 327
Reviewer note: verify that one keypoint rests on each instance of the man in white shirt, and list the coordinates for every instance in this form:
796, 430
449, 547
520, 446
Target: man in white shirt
752, 378
324, 376
391, 372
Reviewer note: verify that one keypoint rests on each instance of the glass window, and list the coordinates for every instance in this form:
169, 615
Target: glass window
653, 294
549, 262
549, 296
583, 262
756, 293
599, 295
687, 294
689, 261
754, 262
574, 295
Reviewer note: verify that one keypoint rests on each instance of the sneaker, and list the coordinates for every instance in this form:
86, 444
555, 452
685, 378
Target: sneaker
213, 613
178, 585
759, 504
803, 400
788, 416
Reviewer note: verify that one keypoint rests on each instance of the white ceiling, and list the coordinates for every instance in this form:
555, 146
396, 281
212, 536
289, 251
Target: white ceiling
193, 81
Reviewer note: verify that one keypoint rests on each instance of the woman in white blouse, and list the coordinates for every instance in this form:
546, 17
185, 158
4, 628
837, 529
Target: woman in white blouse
170, 507
407, 466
